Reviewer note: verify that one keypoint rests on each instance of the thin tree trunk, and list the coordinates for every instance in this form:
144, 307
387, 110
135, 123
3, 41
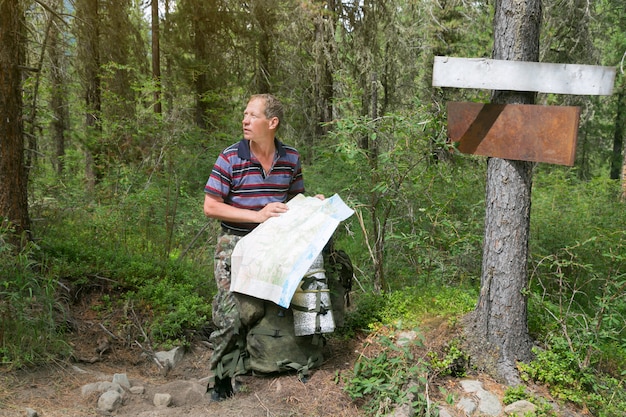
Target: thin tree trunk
156, 57
324, 55
377, 225
90, 54
167, 87
618, 139
201, 35
58, 98
265, 17
31, 121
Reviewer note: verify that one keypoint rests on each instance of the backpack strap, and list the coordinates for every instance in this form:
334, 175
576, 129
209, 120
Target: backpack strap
266, 332
302, 370
233, 363
320, 310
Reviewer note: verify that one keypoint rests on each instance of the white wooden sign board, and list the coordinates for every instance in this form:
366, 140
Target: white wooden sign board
492, 74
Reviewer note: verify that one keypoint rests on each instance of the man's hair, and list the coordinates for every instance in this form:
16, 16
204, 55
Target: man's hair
273, 106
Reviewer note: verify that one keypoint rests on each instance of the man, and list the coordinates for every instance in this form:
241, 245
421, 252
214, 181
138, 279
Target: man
250, 182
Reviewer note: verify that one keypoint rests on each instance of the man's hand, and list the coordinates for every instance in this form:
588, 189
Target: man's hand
272, 210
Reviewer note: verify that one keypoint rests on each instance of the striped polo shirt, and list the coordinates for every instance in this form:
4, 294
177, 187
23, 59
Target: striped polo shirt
238, 178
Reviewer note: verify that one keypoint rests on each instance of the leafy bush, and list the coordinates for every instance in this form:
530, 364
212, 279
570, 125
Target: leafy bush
558, 368
518, 393
453, 361
390, 375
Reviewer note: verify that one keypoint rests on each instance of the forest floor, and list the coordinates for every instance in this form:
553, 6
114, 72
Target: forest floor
55, 390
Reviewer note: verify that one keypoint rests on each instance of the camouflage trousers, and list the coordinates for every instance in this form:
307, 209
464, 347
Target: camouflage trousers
228, 339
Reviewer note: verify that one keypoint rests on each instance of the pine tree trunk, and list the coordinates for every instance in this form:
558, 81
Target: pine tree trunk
58, 96
500, 318
13, 178
89, 53
156, 56
618, 137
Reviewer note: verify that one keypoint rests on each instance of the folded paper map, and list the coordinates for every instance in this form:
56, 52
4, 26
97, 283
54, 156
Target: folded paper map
270, 261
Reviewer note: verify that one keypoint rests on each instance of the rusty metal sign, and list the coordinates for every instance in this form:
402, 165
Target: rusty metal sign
521, 132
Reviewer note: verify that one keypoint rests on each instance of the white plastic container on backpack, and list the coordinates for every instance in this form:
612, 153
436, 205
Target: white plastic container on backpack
312, 310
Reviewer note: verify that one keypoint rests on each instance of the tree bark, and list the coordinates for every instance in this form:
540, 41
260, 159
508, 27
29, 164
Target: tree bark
13, 178
618, 140
89, 53
156, 56
265, 18
324, 53
58, 95
500, 318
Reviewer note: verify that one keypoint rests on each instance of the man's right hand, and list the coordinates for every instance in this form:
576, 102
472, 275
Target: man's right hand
272, 210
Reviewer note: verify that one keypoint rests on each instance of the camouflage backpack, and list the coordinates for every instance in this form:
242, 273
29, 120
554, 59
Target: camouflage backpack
292, 339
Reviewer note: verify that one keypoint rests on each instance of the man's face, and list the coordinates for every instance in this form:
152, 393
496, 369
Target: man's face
255, 124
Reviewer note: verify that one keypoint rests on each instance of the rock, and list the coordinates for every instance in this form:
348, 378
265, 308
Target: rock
444, 412
79, 370
162, 400
406, 338
31, 413
170, 358
467, 406
185, 392
109, 401
520, 408
87, 389
100, 387
403, 410
470, 386
122, 380
489, 403
138, 390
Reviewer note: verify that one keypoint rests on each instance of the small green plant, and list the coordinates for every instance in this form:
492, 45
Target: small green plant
519, 393
454, 361
390, 376
558, 370
516, 393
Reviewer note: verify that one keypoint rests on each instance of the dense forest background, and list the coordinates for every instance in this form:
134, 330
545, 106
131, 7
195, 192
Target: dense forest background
125, 106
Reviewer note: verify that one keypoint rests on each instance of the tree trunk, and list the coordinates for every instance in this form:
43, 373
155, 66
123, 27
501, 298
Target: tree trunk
156, 57
58, 96
89, 53
13, 178
166, 81
618, 139
32, 126
204, 30
375, 200
323, 86
500, 318
265, 17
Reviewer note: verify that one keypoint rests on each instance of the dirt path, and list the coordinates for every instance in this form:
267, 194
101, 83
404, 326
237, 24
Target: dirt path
56, 390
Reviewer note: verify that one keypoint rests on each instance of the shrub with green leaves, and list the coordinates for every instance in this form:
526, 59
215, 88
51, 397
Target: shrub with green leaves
558, 368
391, 375
519, 392
453, 361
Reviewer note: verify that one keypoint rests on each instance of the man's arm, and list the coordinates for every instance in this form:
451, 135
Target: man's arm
215, 208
